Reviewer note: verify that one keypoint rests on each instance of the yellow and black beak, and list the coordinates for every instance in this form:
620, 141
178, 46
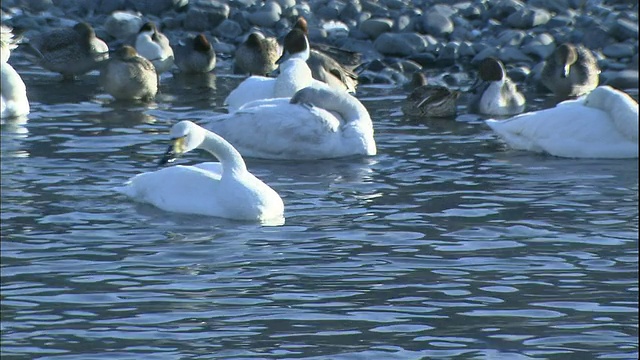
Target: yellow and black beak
175, 149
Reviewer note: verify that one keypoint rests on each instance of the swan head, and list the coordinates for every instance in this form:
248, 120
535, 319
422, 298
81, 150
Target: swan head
295, 44
185, 136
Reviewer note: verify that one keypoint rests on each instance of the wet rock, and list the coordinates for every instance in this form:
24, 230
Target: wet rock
267, 16
511, 54
527, 18
123, 24
618, 50
206, 17
501, 9
541, 46
375, 27
436, 24
155, 7
623, 80
400, 44
625, 29
228, 29
511, 37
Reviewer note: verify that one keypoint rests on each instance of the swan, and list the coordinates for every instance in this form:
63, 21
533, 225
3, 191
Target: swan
294, 75
318, 122
223, 189
602, 124
570, 71
495, 93
13, 101
327, 69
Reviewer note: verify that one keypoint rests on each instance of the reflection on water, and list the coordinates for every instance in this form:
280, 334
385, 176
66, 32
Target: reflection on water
446, 244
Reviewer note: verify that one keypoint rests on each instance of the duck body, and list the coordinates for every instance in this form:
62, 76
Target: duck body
154, 45
257, 55
429, 101
70, 51
196, 55
570, 71
129, 76
603, 124
316, 123
496, 94
223, 189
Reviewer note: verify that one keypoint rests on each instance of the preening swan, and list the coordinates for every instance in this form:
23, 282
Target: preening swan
603, 124
316, 123
225, 189
294, 75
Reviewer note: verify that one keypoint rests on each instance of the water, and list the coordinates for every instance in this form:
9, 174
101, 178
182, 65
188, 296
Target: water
444, 245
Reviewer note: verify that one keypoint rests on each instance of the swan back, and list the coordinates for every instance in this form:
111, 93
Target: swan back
622, 109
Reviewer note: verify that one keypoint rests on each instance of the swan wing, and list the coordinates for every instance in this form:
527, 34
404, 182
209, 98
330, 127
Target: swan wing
252, 88
183, 189
567, 131
276, 129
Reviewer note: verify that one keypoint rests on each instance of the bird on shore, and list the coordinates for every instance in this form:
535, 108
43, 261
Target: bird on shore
494, 92
570, 71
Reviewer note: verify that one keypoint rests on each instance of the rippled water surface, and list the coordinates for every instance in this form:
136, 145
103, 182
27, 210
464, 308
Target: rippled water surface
444, 245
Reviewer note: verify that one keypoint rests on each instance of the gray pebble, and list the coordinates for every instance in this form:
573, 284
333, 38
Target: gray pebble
624, 29
618, 50
228, 29
527, 18
400, 44
436, 24
375, 27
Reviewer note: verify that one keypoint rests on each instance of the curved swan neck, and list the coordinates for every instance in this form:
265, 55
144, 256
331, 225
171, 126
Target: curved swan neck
229, 157
348, 107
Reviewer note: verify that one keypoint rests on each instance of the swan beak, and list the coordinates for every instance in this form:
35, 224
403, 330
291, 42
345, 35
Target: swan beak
175, 149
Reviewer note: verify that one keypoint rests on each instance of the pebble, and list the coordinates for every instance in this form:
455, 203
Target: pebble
429, 33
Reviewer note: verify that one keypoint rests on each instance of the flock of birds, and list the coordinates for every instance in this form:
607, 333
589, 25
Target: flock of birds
308, 109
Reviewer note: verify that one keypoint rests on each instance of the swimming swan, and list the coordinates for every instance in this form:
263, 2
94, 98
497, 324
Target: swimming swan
225, 189
603, 124
316, 123
294, 75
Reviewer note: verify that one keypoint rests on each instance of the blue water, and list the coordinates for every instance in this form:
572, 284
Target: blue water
444, 245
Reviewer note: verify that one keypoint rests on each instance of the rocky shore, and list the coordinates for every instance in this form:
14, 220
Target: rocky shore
395, 37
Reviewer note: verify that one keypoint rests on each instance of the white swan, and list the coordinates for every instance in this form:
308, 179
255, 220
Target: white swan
602, 124
225, 189
294, 75
318, 122
13, 101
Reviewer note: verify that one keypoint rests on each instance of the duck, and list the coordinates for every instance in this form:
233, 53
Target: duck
129, 76
224, 189
294, 75
69, 51
602, 124
13, 99
195, 55
154, 45
495, 93
325, 68
431, 101
257, 55
570, 71
317, 122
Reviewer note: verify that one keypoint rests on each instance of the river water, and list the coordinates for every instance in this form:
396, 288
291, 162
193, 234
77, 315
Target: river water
444, 245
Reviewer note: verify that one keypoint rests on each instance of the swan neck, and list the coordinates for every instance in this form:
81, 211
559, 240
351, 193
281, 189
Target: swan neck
228, 156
